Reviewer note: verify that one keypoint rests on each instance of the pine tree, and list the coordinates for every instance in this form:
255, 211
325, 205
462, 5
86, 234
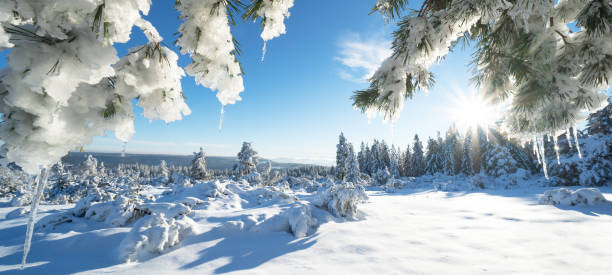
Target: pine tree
361, 157
394, 167
352, 173
163, 170
433, 164
342, 154
448, 153
418, 160
600, 122
407, 163
198, 166
480, 151
247, 160
89, 167
499, 160
466, 158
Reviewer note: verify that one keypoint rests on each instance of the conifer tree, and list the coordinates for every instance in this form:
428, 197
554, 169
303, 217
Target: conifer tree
342, 154
361, 157
247, 160
417, 161
163, 170
352, 173
199, 170
466, 158
433, 164
407, 163
394, 166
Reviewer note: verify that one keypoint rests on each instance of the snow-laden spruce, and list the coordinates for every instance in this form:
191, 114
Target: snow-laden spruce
198, 165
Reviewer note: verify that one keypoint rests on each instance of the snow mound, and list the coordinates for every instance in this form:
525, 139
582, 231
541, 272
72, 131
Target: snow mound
342, 199
564, 196
296, 220
154, 234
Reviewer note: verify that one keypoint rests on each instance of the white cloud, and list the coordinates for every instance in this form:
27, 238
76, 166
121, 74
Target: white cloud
362, 57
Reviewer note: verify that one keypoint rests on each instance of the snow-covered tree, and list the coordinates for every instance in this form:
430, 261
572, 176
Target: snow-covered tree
550, 60
448, 153
362, 156
199, 170
417, 162
433, 158
499, 160
394, 166
407, 163
342, 155
89, 166
247, 160
163, 170
352, 171
466, 156
267, 169
600, 123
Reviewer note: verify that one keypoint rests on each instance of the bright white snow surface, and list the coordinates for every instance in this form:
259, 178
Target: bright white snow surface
411, 231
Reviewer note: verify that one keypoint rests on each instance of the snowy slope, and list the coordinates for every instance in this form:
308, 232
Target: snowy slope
407, 232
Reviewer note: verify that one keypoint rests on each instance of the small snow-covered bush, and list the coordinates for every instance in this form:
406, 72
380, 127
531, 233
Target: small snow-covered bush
301, 221
153, 234
342, 199
381, 177
253, 178
564, 196
297, 220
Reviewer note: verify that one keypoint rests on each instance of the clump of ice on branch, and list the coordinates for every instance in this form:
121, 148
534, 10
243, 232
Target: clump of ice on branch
273, 13
206, 37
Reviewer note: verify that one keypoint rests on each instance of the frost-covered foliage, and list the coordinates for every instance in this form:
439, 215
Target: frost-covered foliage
561, 72
342, 199
198, 165
564, 196
247, 160
207, 38
65, 84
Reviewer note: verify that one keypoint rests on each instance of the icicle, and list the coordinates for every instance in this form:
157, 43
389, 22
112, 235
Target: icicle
542, 150
577, 142
569, 137
263, 53
556, 149
40, 187
221, 118
123, 149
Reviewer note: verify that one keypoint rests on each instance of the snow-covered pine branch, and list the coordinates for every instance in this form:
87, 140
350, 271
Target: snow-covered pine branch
525, 54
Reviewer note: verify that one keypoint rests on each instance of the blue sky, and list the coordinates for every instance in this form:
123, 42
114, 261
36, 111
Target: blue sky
296, 102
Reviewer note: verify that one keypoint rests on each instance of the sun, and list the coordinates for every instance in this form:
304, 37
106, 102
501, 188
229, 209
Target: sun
472, 111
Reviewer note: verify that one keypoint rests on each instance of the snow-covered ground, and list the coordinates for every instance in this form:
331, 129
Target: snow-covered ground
410, 231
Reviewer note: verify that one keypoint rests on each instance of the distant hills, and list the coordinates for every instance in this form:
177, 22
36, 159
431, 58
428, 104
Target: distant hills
213, 162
